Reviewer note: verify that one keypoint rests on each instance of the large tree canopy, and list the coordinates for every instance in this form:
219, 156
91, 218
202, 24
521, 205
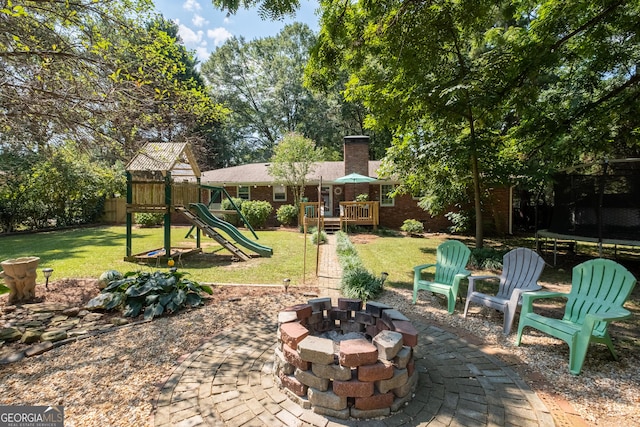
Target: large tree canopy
476, 91
83, 85
262, 83
293, 159
103, 73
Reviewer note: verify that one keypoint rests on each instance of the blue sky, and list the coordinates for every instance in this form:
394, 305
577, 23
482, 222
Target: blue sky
203, 28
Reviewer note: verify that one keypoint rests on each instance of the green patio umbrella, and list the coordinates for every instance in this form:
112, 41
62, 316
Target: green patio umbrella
354, 178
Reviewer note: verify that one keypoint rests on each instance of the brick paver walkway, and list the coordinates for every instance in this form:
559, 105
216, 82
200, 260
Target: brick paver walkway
228, 382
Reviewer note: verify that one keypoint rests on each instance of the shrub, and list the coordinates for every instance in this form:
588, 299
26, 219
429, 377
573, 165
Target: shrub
412, 226
356, 282
152, 293
362, 197
350, 261
108, 277
226, 205
287, 214
318, 238
256, 212
145, 219
461, 222
486, 258
344, 245
360, 283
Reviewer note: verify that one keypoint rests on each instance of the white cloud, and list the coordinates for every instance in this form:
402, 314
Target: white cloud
189, 36
199, 21
191, 5
219, 35
202, 53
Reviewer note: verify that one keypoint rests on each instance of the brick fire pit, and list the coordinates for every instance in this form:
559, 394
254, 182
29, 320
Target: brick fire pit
345, 361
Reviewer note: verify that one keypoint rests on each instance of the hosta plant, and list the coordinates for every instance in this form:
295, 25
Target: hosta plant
153, 294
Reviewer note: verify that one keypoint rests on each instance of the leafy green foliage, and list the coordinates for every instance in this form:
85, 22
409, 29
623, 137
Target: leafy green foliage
60, 186
360, 283
108, 277
460, 222
256, 212
318, 237
486, 258
357, 281
262, 83
150, 293
292, 161
478, 93
412, 226
145, 219
287, 214
228, 205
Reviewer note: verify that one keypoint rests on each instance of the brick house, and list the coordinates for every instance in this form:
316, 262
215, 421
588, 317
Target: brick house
253, 182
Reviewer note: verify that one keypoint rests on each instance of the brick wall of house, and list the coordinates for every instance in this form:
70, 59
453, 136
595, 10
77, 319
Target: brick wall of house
497, 211
406, 207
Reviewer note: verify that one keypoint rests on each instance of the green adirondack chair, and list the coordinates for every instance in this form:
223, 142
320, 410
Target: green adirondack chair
599, 289
451, 259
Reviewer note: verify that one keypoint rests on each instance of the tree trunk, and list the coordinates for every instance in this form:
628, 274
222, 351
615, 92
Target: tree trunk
477, 197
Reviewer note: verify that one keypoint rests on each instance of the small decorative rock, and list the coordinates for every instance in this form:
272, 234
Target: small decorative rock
10, 334
54, 335
119, 321
30, 336
39, 348
71, 312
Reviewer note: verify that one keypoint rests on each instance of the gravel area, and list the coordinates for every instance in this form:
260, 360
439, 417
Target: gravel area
112, 379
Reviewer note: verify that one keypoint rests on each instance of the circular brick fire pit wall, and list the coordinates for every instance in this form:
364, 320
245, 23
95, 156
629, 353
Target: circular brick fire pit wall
345, 361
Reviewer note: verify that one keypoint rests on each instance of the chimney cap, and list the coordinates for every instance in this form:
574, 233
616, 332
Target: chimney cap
356, 138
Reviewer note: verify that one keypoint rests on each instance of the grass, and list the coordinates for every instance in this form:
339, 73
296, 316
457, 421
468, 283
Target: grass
397, 255
87, 252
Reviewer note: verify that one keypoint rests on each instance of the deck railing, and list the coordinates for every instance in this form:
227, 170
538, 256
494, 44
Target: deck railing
351, 213
359, 213
309, 212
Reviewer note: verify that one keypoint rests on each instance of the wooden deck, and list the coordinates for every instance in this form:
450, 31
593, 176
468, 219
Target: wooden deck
351, 213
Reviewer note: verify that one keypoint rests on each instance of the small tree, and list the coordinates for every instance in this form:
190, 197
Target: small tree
292, 161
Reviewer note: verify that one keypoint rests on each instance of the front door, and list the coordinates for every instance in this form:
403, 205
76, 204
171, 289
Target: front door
326, 192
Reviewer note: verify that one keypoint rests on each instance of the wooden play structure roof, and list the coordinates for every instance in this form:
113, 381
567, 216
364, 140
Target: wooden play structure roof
175, 158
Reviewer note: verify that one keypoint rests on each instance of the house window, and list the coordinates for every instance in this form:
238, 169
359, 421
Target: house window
385, 200
243, 192
279, 193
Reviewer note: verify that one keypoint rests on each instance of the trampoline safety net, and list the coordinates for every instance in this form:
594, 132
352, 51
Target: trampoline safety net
604, 204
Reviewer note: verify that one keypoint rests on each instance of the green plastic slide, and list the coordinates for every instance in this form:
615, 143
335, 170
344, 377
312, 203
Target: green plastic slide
203, 213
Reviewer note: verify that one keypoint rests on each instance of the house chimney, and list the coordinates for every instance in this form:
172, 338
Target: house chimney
356, 160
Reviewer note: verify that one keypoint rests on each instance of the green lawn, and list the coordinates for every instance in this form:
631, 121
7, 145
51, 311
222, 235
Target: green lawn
87, 252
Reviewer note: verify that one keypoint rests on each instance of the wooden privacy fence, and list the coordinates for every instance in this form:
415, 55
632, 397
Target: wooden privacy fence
115, 211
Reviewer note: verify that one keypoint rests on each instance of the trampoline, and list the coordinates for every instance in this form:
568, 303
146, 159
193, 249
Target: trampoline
598, 203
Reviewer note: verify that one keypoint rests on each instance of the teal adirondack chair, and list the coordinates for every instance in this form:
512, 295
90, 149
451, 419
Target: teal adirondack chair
599, 289
451, 259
